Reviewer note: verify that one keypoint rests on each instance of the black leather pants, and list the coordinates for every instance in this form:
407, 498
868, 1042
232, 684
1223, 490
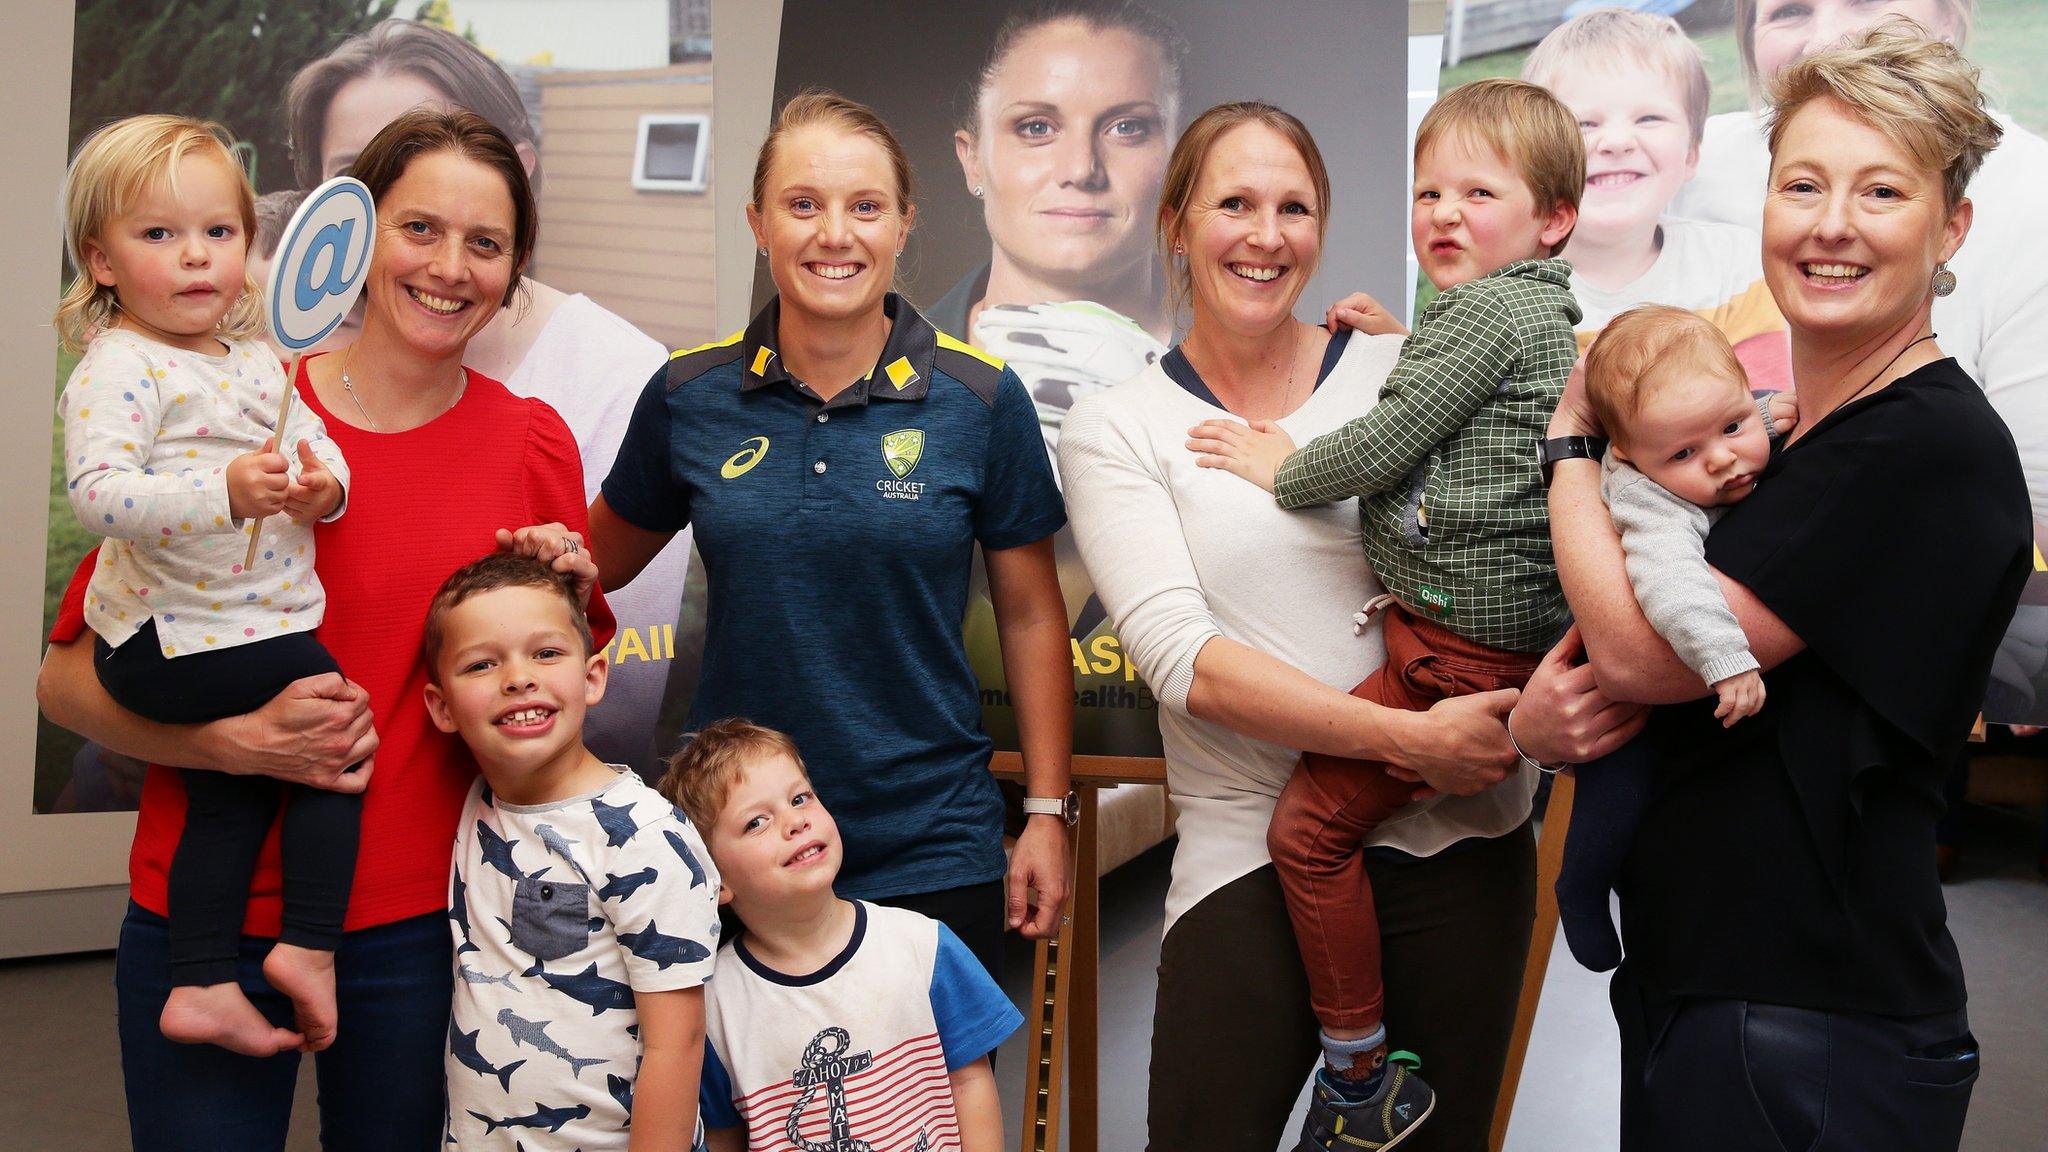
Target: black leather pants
1737, 1075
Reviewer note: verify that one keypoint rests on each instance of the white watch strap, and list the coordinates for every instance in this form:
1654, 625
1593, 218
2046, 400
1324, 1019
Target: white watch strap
1045, 805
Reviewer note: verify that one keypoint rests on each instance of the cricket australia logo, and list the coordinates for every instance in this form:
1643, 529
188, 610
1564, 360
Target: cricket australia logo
827, 1066
901, 450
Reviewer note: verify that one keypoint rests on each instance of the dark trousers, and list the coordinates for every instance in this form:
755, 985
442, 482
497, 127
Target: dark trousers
1612, 795
381, 1087
1332, 804
975, 913
1234, 1040
1710, 1075
227, 817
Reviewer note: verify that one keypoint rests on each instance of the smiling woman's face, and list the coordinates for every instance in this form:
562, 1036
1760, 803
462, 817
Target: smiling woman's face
443, 258
1786, 31
1073, 135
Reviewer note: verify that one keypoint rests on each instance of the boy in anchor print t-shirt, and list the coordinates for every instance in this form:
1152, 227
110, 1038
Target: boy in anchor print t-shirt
583, 905
833, 1024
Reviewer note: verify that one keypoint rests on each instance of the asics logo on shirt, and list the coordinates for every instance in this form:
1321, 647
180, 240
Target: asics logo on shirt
737, 464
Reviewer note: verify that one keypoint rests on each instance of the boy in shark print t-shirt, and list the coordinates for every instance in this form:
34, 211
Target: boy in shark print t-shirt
833, 1023
583, 905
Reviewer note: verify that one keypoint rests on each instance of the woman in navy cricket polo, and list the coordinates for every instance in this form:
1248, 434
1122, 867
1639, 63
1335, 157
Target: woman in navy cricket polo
839, 461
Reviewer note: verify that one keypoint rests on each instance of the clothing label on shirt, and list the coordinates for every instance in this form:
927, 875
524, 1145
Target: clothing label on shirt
1433, 600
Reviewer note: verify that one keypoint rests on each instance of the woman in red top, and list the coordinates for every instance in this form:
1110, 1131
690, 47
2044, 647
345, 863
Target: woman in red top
442, 459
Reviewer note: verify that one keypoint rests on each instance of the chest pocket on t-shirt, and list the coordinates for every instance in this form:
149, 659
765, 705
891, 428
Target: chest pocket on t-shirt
550, 919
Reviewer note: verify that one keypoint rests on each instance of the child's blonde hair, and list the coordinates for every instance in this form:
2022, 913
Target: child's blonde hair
1526, 126
1652, 42
704, 771
113, 168
1637, 353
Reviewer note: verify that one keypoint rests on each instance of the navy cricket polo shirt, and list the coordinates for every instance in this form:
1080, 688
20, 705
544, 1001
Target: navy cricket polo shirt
838, 539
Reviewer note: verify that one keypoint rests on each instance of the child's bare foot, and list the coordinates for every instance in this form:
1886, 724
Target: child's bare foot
220, 1014
307, 976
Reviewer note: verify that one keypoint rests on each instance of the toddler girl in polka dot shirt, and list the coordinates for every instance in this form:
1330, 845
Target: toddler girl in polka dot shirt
170, 454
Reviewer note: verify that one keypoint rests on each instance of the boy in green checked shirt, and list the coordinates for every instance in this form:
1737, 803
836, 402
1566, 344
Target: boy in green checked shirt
1455, 525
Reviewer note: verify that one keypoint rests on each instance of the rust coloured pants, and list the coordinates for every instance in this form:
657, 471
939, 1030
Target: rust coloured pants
1332, 804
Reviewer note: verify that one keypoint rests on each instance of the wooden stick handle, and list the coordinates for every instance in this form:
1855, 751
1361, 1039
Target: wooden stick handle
284, 413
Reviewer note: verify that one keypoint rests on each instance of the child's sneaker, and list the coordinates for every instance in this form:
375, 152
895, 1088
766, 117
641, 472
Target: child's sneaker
1335, 1122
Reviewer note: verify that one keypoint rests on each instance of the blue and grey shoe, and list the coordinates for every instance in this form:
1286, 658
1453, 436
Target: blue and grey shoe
1336, 1123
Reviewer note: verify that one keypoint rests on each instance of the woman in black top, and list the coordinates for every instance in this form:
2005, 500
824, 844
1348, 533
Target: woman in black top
1790, 980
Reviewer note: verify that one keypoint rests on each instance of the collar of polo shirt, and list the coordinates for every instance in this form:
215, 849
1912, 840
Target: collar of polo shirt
902, 372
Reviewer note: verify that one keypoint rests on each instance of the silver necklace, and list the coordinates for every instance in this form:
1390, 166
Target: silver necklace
1293, 367
349, 387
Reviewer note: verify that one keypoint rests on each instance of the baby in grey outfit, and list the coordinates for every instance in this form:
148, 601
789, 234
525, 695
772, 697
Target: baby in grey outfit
1687, 441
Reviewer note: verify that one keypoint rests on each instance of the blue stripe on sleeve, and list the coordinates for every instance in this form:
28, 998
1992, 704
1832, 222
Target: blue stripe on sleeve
714, 1092
973, 1015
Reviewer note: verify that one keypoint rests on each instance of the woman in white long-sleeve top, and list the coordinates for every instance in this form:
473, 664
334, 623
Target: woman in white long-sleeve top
1238, 614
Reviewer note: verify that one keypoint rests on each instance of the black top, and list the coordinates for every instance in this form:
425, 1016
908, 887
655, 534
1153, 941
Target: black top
1790, 859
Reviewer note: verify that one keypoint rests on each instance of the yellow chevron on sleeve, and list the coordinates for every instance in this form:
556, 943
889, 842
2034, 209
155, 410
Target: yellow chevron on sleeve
728, 342
946, 341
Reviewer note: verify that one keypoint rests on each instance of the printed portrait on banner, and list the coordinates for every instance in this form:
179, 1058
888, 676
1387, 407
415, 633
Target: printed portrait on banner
1039, 135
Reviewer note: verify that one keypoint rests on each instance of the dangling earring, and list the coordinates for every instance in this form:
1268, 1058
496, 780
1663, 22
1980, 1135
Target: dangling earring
764, 251
1944, 280
977, 191
1179, 251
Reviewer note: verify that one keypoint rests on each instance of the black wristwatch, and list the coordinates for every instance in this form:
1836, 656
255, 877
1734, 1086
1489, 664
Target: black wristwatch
1549, 452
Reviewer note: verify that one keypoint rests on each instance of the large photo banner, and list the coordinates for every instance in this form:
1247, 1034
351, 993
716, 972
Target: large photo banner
612, 117
1040, 135
1678, 168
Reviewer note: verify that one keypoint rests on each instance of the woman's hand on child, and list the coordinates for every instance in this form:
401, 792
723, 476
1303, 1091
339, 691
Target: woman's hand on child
1574, 415
315, 492
258, 482
1253, 451
557, 547
1363, 313
309, 734
1741, 697
1563, 717
1460, 746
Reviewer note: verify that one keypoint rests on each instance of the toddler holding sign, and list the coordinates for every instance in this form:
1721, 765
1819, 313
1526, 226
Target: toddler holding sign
170, 453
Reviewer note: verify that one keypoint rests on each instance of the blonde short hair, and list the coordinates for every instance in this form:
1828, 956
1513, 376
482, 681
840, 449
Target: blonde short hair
1920, 93
1962, 13
1635, 355
1651, 42
705, 770
1184, 168
113, 168
1526, 126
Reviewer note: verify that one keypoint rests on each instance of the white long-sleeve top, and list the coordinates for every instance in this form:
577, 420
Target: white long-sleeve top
1180, 555
149, 431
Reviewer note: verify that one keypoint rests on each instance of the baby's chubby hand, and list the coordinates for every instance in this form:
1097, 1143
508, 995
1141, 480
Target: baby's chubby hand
258, 482
1784, 409
315, 492
1253, 451
1741, 697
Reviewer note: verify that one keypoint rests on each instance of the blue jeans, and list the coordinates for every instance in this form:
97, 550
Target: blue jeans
381, 1087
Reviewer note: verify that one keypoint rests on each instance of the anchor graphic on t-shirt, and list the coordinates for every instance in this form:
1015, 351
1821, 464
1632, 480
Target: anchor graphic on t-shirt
827, 1065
